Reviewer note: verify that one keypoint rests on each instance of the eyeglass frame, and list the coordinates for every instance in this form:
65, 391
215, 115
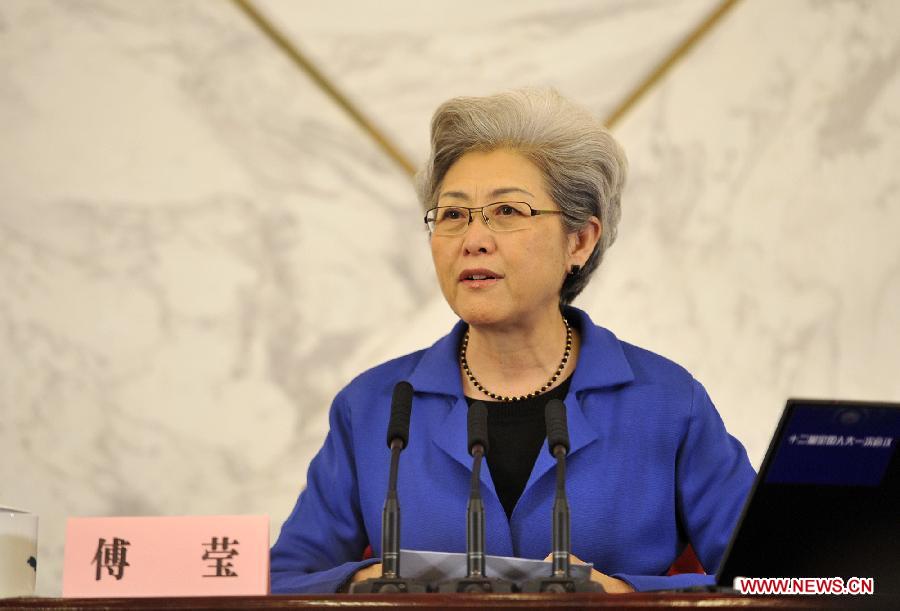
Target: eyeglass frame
487, 222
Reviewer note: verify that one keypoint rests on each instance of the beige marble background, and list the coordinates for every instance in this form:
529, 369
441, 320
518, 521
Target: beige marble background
198, 248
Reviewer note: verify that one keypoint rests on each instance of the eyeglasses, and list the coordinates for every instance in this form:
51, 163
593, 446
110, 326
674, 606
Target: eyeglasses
499, 216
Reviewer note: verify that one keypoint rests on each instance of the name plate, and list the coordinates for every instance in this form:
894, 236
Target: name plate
166, 556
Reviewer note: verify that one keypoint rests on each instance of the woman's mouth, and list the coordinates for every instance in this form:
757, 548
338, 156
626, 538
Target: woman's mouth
479, 278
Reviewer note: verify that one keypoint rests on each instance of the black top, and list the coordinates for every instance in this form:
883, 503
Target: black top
516, 433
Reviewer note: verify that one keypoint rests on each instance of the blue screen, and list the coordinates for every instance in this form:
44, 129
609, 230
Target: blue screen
840, 446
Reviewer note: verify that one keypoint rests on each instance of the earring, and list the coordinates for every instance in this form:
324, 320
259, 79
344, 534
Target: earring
574, 270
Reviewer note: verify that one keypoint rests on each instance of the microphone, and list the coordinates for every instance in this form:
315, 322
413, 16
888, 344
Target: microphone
478, 447
401, 407
397, 440
558, 445
476, 579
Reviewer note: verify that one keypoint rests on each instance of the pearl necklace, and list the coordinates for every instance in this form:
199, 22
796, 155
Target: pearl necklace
562, 365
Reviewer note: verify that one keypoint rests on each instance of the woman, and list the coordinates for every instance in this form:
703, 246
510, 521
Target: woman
522, 192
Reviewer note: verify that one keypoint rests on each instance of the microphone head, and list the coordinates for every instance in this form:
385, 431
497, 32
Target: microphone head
478, 426
401, 406
557, 428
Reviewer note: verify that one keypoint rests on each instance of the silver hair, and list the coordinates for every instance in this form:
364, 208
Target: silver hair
583, 166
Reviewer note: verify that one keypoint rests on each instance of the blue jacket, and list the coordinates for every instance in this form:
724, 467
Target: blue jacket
651, 468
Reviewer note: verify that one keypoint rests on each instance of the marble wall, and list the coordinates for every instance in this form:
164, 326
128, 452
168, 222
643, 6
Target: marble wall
198, 248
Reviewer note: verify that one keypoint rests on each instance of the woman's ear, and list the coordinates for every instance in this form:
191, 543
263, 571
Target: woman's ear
581, 243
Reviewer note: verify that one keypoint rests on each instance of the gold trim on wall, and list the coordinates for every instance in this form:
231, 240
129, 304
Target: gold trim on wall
392, 151
302, 62
689, 42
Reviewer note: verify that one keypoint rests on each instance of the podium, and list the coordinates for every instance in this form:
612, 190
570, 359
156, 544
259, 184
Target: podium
638, 600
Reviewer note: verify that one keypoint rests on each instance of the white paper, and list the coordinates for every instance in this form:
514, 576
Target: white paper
440, 566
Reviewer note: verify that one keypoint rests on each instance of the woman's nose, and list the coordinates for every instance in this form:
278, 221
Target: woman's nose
479, 237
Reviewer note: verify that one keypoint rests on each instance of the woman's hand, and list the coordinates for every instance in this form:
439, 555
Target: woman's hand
610, 585
369, 572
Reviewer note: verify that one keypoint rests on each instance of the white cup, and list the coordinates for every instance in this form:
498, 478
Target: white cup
18, 552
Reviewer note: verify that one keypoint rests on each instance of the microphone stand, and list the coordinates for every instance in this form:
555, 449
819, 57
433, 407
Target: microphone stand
475, 520
390, 581
560, 579
390, 520
476, 581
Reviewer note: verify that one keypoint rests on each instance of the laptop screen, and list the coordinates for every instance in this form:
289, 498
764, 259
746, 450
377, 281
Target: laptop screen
826, 502
838, 445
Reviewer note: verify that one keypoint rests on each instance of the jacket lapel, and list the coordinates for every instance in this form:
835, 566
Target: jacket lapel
601, 364
581, 434
453, 436
438, 373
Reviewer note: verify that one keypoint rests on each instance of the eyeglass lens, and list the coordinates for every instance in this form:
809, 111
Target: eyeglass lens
501, 216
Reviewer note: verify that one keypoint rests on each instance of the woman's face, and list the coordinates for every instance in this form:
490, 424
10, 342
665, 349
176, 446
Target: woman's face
525, 268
